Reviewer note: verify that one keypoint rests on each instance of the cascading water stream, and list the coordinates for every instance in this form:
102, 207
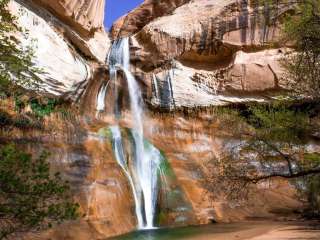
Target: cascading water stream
118, 150
156, 88
144, 164
101, 98
143, 175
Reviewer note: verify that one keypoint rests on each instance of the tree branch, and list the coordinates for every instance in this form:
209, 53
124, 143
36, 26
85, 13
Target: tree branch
287, 176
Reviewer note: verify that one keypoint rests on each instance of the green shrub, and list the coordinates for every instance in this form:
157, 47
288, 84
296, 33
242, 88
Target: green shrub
31, 197
43, 109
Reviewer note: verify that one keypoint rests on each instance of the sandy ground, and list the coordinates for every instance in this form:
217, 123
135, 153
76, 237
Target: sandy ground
295, 232
268, 231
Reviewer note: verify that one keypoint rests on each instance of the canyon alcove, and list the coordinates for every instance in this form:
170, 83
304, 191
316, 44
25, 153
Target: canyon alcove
182, 120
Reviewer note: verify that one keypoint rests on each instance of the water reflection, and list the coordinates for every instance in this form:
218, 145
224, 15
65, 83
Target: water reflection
160, 234
183, 232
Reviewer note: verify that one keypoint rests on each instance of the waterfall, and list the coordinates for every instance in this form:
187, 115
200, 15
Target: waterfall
118, 150
147, 172
101, 98
117, 57
143, 174
155, 87
169, 79
163, 90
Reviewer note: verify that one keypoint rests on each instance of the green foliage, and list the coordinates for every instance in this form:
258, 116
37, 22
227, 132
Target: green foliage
21, 121
280, 134
274, 143
31, 197
105, 133
45, 108
312, 157
16, 67
312, 190
19, 103
279, 140
165, 169
303, 29
17, 71
277, 123
42, 106
5, 119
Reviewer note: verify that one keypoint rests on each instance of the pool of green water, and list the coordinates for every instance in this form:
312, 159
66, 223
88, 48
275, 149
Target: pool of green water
181, 233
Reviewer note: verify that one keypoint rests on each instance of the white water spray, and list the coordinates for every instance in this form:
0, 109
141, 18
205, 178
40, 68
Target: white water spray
101, 98
156, 88
118, 150
143, 176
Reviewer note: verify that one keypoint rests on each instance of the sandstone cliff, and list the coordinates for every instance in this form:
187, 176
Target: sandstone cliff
206, 52
67, 46
85, 16
142, 15
185, 53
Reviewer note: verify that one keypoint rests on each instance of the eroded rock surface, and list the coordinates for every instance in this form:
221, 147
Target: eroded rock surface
248, 78
185, 54
142, 15
191, 145
217, 51
66, 59
85, 16
86, 160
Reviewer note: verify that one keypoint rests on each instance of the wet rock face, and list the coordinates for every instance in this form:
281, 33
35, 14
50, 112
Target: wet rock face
248, 77
81, 150
191, 144
86, 160
219, 51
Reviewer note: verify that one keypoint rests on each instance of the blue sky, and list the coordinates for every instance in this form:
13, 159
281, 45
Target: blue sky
117, 8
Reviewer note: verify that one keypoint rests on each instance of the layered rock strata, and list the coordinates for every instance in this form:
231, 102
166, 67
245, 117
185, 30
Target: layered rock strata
66, 60
216, 51
142, 15
85, 16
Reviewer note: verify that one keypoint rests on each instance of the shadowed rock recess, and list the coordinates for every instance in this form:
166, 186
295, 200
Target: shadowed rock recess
129, 86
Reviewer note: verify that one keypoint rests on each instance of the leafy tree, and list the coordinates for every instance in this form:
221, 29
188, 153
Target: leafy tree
272, 143
16, 67
303, 30
30, 197
17, 72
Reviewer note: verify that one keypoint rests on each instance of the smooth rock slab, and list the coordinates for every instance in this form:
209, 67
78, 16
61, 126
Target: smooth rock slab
63, 70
